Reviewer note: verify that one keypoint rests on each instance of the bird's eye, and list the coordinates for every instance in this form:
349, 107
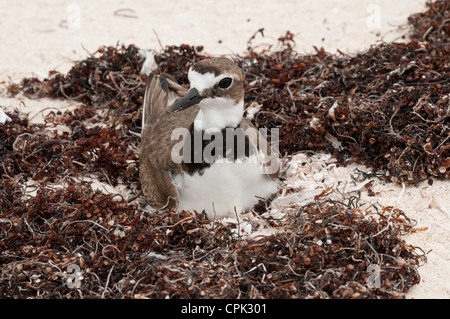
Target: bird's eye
225, 83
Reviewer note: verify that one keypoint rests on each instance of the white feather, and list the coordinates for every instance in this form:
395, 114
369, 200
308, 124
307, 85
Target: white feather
201, 81
3, 117
224, 189
149, 63
218, 113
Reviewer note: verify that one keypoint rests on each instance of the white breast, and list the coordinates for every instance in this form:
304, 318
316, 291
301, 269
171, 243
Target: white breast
224, 188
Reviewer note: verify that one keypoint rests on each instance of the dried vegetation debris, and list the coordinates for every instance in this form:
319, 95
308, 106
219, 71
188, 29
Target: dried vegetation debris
386, 107
43, 154
126, 253
433, 25
109, 79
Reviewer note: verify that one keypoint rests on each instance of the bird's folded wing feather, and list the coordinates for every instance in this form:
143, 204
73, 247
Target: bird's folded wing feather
159, 123
159, 139
160, 93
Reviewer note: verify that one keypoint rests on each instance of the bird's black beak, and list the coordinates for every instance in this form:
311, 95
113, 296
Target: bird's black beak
191, 98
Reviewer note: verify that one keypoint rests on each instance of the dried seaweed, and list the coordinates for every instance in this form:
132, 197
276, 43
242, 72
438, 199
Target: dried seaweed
387, 107
433, 25
45, 156
124, 252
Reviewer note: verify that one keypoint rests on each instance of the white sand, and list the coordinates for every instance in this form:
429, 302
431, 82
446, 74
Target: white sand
38, 36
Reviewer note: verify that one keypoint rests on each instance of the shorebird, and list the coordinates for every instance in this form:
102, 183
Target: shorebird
212, 107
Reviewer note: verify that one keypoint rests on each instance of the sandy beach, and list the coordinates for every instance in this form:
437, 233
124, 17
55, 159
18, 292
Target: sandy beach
42, 35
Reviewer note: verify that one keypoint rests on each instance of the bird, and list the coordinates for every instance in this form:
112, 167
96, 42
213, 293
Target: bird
220, 183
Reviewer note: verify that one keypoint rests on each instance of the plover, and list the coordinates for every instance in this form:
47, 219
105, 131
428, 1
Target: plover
222, 180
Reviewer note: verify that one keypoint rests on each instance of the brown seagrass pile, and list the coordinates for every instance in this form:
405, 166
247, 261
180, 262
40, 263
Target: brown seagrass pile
387, 107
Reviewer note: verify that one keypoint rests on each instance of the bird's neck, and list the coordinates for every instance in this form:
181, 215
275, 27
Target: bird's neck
219, 113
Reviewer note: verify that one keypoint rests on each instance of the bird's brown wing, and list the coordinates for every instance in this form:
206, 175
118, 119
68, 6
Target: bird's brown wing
156, 139
160, 93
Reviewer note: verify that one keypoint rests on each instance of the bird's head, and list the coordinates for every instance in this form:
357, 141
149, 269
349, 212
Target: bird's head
215, 84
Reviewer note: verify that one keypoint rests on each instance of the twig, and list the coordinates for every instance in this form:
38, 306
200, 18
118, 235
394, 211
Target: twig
122, 13
107, 282
388, 223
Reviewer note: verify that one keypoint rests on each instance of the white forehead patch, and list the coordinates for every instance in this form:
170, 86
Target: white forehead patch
202, 81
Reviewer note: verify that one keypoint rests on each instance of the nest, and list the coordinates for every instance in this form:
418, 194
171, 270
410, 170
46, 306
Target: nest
386, 107
125, 252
